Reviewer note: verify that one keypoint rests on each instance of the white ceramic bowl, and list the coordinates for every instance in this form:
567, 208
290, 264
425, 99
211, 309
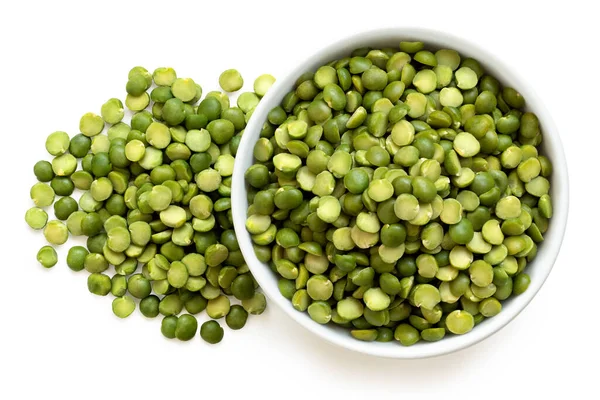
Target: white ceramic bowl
538, 269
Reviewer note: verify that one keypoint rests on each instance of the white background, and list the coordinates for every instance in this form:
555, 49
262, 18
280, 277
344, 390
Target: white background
60, 60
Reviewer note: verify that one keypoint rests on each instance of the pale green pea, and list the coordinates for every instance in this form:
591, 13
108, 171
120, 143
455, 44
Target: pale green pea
324, 183
460, 322
64, 165
376, 299
466, 78
451, 212
91, 124
135, 150
57, 143
425, 81
263, 83
451, 97
380, 190
329, 209
406, 207
466, 145
56, 232
492, 233
231, 80
36, 218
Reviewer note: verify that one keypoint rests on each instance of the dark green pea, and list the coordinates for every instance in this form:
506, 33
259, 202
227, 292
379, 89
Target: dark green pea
423, 189
489, 143
141, 120
356, 180
402, 184
462, 232
470, 96
530, 125
289, 101
80, 145
288, 198
277, 115
62, 185
378, 156
221, 130
439, 119
264, 202
344, 78
242, 287
507, 125
86, 162
521, 283
149, 306
359, 65
397, 112
393, 235
319, 111
139, 286
374, 79
101, 164
115, 205
393, 91
211, 332
195, 304
485, 102
385, 211
407, 266
478, 125
210, 107
200, 162
197, 121
352, 204
76, 257
490, 84
237, 317
384, 335
95, 244
331, 132
161, 94
370, 98
186, 327
43, 171
117, 157
99, 284
91, 224
173, 111
170, 305
334, 96
168, 326
425, 146
483, 182
513, 98
64, 207
478, 217
257, 176
406, 335
136, 85
236, 116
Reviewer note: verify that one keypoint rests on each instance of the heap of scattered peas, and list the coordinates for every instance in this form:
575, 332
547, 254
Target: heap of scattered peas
399, 193
155, 202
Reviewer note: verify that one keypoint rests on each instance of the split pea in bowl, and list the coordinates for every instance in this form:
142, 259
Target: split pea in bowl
477, 235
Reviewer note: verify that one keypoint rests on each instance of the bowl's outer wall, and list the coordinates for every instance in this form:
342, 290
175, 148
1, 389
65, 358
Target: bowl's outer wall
551, 146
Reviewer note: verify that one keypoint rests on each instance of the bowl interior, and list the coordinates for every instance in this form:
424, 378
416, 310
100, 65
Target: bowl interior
551, 147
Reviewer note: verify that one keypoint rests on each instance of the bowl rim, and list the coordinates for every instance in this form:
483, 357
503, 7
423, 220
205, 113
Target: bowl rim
560, 191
